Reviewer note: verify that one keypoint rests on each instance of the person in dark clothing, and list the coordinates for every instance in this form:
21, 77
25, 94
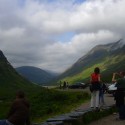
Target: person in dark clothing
119, 95
19, 111
120, 104
64, 85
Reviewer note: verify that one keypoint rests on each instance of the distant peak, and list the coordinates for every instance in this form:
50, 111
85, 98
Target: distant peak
110, 46
119, 44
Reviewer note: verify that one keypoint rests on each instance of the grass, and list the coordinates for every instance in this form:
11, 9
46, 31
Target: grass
48, 103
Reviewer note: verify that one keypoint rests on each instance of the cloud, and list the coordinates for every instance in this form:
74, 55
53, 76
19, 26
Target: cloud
33, 32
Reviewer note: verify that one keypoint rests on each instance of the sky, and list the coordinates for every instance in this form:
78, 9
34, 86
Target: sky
54, 34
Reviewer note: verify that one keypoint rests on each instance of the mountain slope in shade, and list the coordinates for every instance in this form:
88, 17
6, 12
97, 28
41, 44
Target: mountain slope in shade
110, 58
35, 75
10, 80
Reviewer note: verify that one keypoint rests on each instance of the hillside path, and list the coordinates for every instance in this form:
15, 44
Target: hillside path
109, 100
109, 120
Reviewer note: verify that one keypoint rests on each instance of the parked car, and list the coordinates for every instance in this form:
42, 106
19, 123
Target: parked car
78, 85
112, 88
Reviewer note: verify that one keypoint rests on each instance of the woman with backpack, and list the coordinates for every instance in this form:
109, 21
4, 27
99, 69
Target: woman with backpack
95, 87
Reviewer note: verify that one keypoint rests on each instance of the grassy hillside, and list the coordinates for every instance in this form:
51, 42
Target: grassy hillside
11, 81
108, 65
109, 57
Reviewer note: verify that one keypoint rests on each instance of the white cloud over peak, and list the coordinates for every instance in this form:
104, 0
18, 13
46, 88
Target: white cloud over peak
32, 31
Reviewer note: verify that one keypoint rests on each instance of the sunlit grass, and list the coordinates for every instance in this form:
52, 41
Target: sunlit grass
104, 64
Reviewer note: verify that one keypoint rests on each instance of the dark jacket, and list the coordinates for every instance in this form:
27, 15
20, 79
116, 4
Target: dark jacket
19, 112
119, 97
102, 88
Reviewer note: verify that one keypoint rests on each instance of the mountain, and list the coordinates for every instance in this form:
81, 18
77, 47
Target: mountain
35, 75
11, 81
109, 57
55, 74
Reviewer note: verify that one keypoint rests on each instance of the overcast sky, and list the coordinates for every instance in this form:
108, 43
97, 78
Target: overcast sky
54, 34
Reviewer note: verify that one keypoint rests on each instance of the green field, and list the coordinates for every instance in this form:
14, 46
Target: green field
47, 103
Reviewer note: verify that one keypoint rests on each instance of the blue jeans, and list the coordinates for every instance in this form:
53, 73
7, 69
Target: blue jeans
3, 122
101, 98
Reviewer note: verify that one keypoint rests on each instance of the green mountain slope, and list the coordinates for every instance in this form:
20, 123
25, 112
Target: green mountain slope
110, 58
11, 81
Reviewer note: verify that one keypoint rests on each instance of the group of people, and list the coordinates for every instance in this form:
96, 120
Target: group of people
97, 88
64, 85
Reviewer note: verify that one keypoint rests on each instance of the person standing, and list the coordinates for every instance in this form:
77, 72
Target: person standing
95, 87
119, 95
64, 85
101, 94
60, 85
19, 111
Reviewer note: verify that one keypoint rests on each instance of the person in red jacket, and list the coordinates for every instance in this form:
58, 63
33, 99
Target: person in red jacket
95, 87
